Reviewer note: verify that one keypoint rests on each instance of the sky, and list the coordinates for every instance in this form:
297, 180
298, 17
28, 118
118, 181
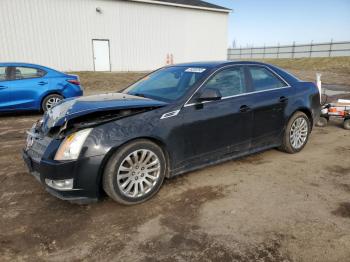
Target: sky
269, 22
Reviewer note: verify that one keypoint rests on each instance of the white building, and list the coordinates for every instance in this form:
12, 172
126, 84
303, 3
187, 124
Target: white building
111, 35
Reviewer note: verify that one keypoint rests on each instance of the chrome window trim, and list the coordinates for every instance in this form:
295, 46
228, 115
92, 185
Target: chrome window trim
243, 94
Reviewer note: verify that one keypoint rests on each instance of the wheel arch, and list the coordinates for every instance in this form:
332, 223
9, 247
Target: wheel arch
307, 112
105, 160
56, 92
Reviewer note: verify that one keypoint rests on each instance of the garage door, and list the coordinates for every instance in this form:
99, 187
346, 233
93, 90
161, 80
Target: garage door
101, 55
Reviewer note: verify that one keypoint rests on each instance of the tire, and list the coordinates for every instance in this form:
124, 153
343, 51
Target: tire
119, 171
346, 124
50, 101
322, 122
287, 143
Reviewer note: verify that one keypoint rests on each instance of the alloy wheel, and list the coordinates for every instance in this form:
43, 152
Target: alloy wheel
52, 101
299, 132
138, 173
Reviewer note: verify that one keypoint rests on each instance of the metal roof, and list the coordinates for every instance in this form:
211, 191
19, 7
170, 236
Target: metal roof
196, 4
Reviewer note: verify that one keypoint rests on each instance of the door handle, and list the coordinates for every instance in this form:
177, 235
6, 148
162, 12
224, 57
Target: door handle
283, 99
42, 83
3, 87
244, 108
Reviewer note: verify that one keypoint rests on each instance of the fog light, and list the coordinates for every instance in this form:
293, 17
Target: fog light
62, 185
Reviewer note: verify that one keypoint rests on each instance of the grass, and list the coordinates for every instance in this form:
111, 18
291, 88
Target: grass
97, 82
335, 70
322, 64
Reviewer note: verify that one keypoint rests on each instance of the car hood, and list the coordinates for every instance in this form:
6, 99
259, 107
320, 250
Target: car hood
73, 108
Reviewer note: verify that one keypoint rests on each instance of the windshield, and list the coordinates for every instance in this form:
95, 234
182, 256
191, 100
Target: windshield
167, 84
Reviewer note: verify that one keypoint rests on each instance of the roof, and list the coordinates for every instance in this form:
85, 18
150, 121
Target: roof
214, 64
195, 4
219, 64
207, 64
21, 64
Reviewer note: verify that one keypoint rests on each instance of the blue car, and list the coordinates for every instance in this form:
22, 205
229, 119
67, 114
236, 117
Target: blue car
34, 87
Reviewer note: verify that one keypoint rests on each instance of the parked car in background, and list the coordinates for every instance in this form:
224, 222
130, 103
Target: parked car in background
34, 87
176, 119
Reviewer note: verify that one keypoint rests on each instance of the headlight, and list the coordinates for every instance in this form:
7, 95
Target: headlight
71, 145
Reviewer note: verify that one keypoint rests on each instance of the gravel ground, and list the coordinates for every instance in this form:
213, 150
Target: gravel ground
270, 206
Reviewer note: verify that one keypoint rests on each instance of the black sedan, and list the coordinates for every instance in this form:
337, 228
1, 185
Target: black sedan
174, 120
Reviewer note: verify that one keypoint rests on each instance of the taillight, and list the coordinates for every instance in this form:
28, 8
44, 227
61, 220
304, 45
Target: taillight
74, 82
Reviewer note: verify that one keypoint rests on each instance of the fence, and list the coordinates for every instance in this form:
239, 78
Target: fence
329, 49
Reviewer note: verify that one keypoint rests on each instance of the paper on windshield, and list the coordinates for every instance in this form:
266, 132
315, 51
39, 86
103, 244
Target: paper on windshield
195, 70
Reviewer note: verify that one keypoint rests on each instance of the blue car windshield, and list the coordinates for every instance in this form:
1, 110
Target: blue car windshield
167, 84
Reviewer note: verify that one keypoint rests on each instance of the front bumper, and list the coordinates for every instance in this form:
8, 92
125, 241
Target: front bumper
85, 172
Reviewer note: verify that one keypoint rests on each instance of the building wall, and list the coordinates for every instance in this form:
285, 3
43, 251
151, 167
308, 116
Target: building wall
59, 33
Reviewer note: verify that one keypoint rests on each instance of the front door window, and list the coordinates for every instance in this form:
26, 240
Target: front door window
229, 82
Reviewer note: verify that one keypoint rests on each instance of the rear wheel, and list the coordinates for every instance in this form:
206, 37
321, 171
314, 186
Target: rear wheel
322, 122
296, 134
50, 101
135, 172
347, 124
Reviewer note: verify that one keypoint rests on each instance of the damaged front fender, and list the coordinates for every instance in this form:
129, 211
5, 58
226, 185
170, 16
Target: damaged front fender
113, 134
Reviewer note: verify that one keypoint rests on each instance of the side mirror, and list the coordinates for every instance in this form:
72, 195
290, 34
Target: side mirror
209, 94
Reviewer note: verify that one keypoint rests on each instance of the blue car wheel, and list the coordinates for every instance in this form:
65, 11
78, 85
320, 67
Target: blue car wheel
50, 101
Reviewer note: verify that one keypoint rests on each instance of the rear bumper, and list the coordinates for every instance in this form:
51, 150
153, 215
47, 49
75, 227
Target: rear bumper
72, 91
84, 172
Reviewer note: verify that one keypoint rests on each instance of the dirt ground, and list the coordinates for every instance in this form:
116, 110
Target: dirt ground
270, 206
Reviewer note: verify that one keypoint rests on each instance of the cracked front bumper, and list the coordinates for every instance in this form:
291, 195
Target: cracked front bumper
84, 172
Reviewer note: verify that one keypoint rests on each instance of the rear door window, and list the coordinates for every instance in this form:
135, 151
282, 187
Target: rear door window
264, 79
28, 72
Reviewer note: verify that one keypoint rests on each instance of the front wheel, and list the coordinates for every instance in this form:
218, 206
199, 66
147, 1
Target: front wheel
296, 134
135, 172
